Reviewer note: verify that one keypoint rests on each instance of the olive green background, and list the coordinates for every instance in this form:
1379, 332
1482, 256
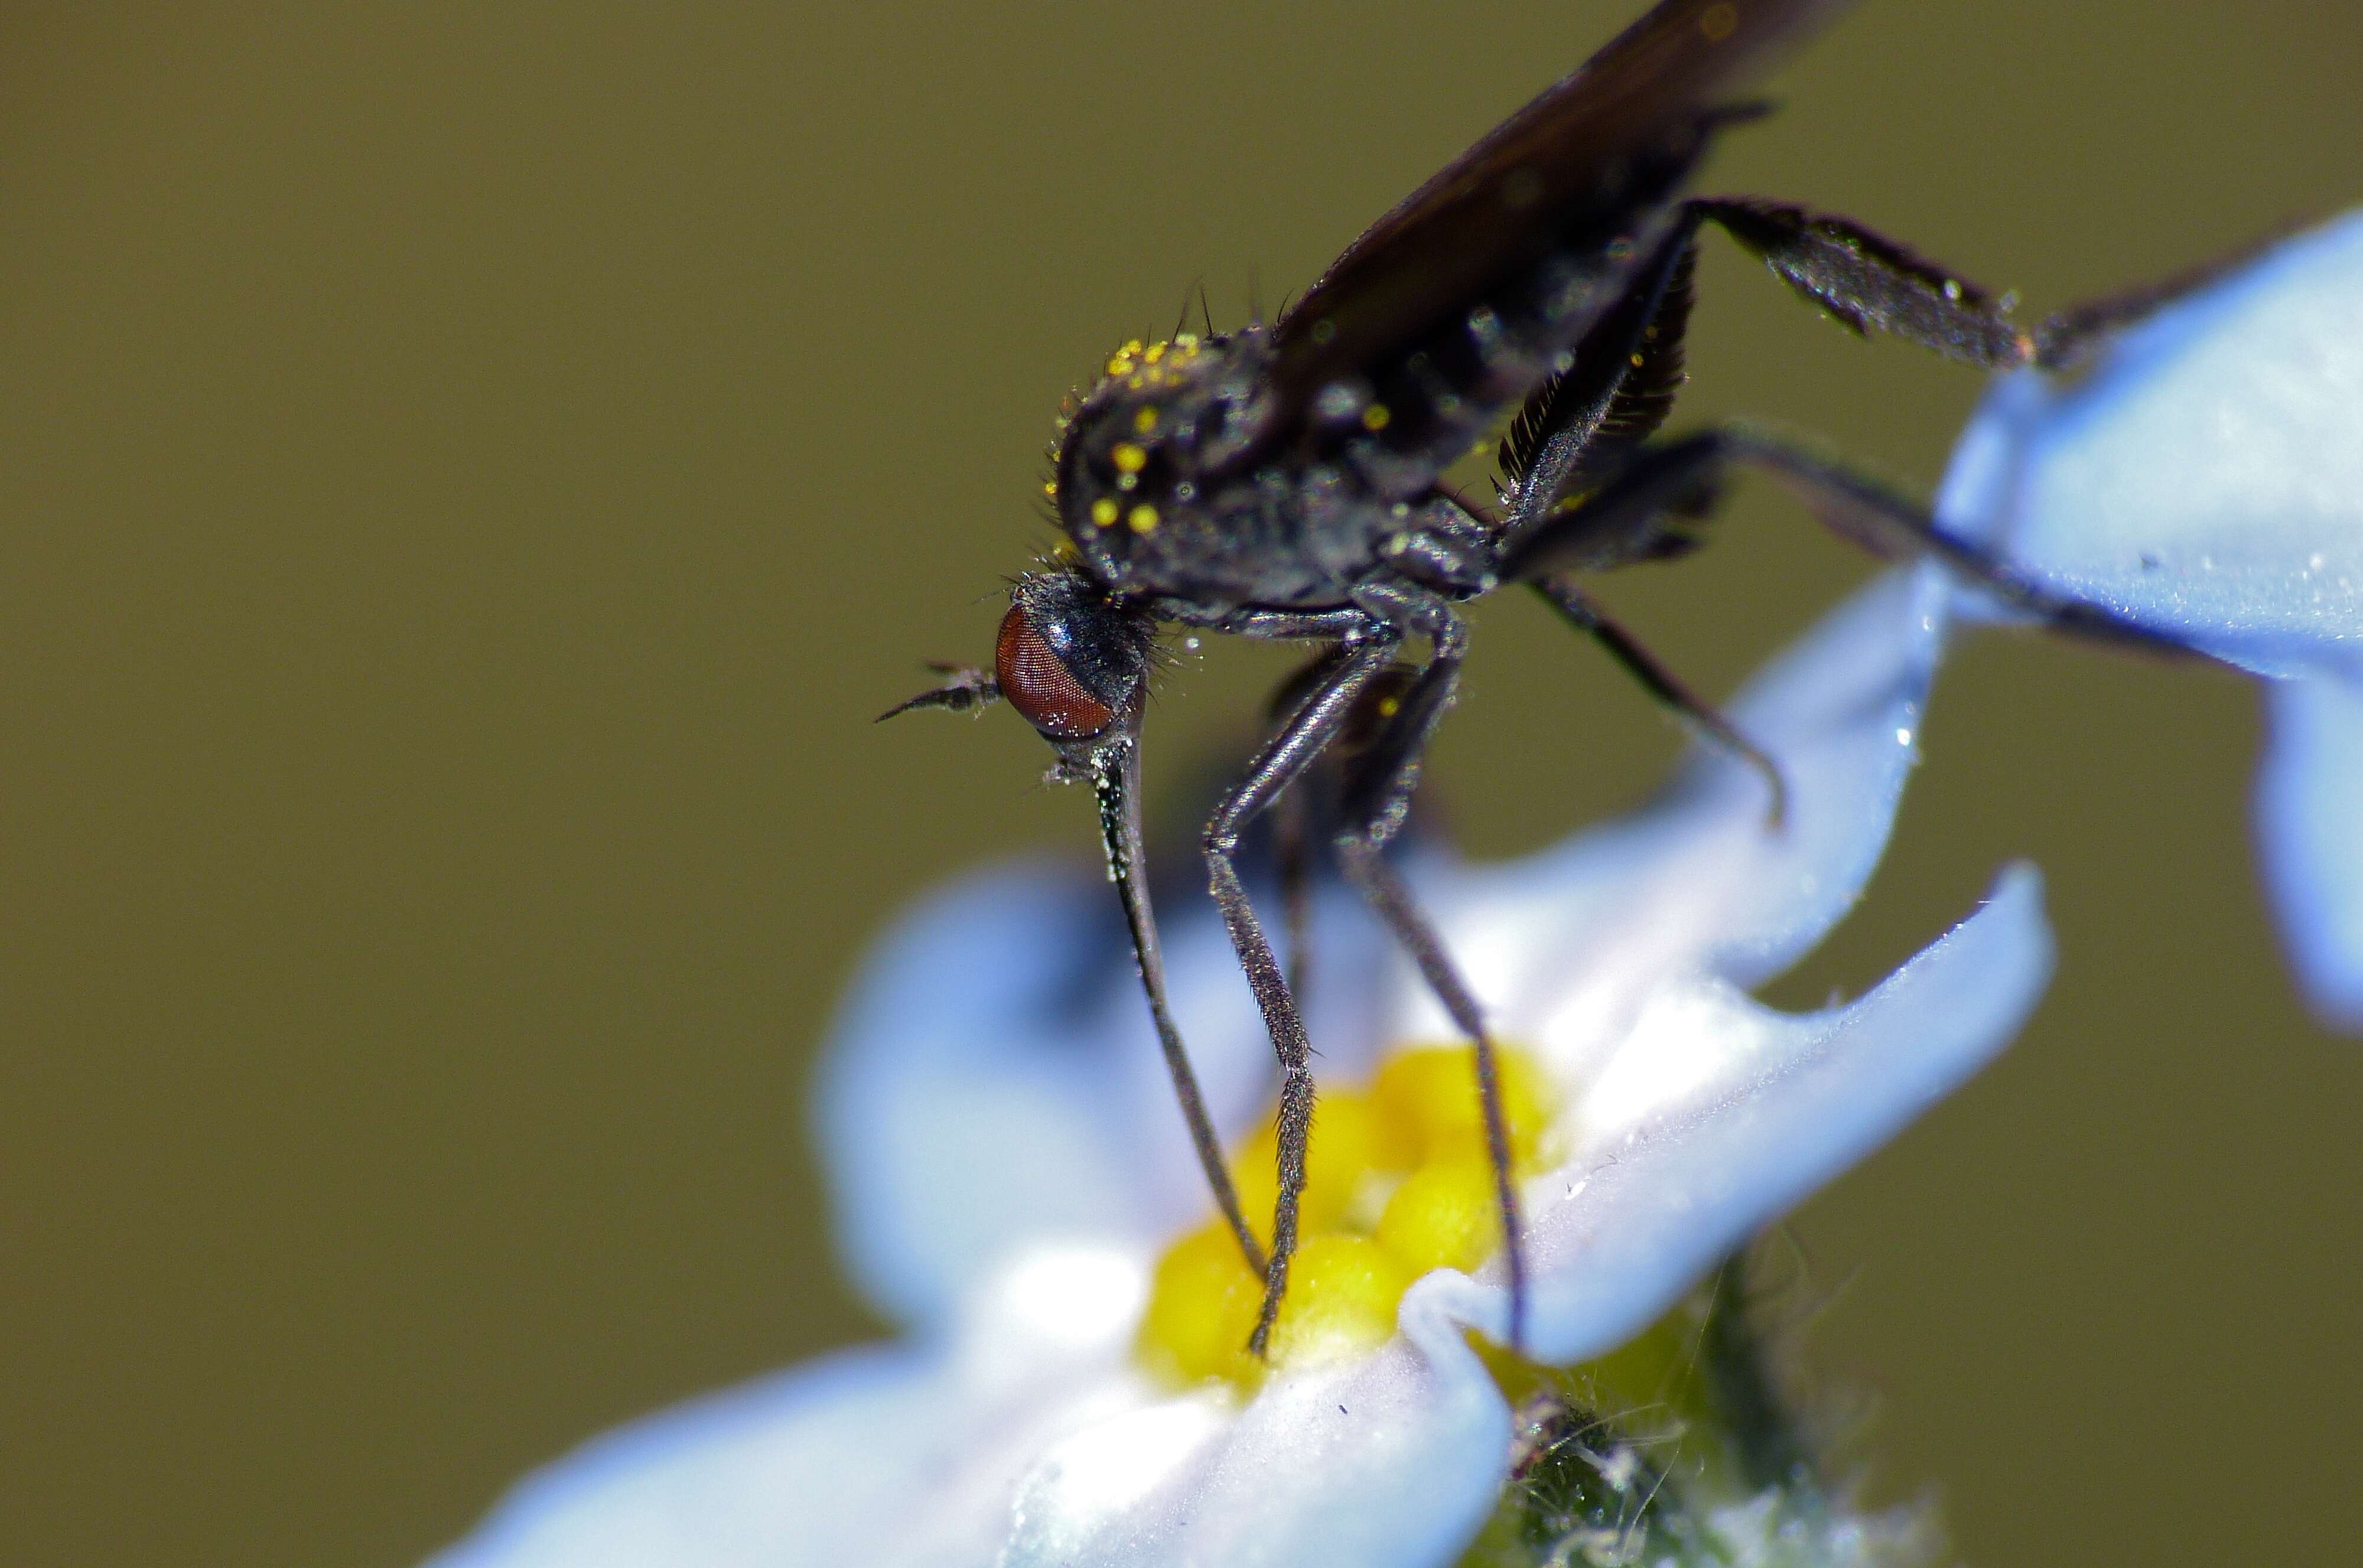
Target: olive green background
470, 475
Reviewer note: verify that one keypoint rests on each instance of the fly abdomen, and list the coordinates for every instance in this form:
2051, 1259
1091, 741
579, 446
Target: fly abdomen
1401, 425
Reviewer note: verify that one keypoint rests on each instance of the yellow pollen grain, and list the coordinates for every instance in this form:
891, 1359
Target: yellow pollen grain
1050, 488
1104, 512
1143, 518
1153, 353
1376, 417
1144, 418
1130, 457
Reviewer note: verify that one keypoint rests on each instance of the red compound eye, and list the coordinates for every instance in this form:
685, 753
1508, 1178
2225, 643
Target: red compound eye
1038, 684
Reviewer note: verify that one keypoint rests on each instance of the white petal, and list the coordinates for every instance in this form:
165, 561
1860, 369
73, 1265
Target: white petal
1391, 1461
2308, 814
994, 1082
1011, 1448
951, 1114
886, 1457
815, 1466
2208, 476
1663, 1191
1566, 946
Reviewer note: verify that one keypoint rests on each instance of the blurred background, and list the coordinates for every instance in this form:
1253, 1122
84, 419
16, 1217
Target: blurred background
472, 474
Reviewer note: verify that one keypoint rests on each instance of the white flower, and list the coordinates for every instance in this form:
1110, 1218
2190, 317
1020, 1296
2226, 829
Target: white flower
1008, 1162
2207, 478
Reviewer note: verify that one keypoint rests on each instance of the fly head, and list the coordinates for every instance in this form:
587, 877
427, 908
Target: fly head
1072, 660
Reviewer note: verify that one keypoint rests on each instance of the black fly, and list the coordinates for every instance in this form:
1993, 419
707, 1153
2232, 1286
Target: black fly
1284, 481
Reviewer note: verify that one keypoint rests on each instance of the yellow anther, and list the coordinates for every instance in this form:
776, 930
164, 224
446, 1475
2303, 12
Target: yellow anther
1445, 1215
1344, 1151
1397, 1183
1143, 518
1428, 1102
1375, 417
1104, 512
1342, 1295
1129, 458
1202, 1307
1144, 418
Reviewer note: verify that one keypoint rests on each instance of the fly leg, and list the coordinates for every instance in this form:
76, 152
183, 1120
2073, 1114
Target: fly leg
1294, 819
1307, 809
1117, 785
1585, 425
1377, 797
1870, 281
1291, 865
1308, 730
1685, 478
1582, 612
2068, 337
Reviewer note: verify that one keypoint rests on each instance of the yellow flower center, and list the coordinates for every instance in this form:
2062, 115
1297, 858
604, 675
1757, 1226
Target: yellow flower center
1397, 1182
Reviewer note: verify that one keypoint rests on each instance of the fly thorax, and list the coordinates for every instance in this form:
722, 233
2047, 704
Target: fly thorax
1135, 453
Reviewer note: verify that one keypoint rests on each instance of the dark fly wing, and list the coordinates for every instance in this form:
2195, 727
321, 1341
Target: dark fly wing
1565, 163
